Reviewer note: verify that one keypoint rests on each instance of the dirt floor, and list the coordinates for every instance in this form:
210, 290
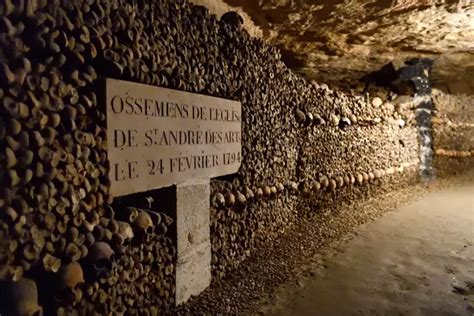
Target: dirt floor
418, 260
414, 259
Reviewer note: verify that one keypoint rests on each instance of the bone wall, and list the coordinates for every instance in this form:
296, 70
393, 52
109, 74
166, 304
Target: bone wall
453, 132
61, 233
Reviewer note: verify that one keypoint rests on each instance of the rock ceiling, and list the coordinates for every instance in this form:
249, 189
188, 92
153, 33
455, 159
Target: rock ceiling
334, 40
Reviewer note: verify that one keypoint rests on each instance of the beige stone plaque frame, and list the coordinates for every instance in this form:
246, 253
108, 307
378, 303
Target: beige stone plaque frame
159, 137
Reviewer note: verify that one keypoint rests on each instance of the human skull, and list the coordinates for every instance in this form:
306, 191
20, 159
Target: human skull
20, 297
218, 200
101, 257
143, 222
71, 275
125, 231
248, 193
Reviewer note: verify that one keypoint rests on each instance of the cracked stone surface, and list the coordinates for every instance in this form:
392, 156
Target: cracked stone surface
334, 40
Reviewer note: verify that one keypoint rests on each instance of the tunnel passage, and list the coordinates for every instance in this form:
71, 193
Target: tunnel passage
69, 245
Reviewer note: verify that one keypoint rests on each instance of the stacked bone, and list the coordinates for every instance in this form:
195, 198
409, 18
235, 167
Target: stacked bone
353, 137
140, 279
267, 91
325, 192
56, 219
243, 218
55, 216
453, 127
121, 265
53, 156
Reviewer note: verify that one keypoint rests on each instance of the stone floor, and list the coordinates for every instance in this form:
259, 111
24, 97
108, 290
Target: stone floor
418, 260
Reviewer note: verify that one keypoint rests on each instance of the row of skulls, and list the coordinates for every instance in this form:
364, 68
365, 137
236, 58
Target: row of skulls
229, 197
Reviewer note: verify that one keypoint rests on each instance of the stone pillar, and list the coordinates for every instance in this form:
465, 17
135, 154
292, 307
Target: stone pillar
193, 263
415, 75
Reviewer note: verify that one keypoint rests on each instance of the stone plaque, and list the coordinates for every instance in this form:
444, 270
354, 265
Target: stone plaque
159, 137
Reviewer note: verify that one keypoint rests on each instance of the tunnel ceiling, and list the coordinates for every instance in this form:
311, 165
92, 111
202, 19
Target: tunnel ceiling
333, 40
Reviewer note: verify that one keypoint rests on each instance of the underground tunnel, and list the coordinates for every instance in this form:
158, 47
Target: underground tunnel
236, 157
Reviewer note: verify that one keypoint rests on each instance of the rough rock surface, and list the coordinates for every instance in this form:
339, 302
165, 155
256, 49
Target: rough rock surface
337, 40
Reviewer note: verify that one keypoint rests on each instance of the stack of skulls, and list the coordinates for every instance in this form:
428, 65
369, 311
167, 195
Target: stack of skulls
453, 127
243, 218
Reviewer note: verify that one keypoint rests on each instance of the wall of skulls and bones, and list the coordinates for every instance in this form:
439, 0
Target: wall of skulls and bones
68, 245
454, 133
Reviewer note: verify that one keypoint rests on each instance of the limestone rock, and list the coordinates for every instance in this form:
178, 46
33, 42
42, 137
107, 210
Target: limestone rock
326, 40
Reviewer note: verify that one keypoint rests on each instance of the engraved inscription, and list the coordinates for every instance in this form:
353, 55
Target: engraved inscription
159, 137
